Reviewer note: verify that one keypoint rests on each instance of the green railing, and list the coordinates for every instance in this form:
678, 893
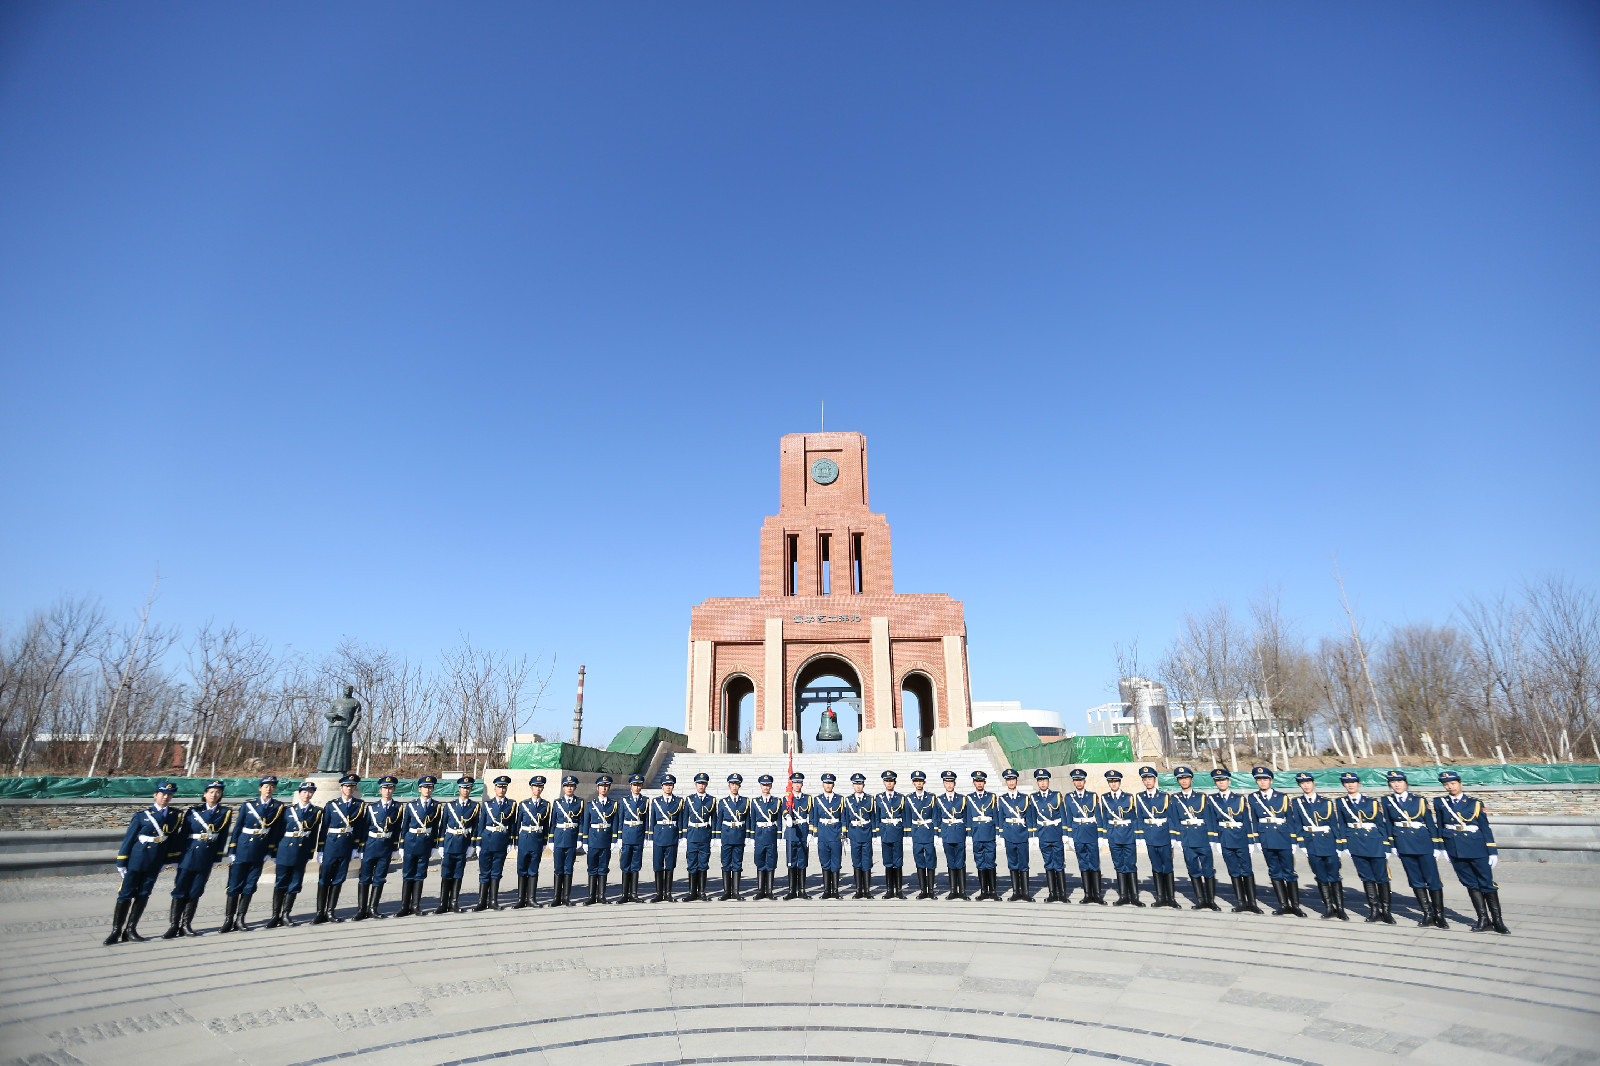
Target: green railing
1025, 751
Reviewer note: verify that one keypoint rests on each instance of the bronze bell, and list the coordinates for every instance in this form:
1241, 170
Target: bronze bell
829, 727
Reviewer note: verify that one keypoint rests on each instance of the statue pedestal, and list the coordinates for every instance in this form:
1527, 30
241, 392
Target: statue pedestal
327, 787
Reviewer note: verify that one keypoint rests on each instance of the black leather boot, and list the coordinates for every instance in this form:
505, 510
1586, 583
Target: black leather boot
229, 910
1211, 893
174, 918
605, 889
1338, 901
1250, 905
187, 920
376, 897
130, 931
590, 900
1292, 890
1385, 913
1374, 908
406, 910
727, 885
991, 883
668, 895
522, 903
1016, 887
363, 903
119, 918
244, 908
1496, 922
1168, 884
277, 910
1099, 887
738, 886
924, 883
950, 876
483, 898
322, 905
288, 909
1439, 920
1326, 892
332, 904
1128, 891
1425, 904
533, 891
1199, 903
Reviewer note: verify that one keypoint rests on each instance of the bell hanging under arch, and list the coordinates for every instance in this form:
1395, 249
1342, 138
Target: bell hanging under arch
828, 728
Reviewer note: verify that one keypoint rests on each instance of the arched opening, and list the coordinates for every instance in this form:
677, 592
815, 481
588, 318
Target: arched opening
738, 698
827, 681
917, 709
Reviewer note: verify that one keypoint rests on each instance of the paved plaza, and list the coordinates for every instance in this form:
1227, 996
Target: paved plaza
878, 981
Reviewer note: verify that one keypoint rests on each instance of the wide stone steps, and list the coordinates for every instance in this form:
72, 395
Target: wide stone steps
685, 764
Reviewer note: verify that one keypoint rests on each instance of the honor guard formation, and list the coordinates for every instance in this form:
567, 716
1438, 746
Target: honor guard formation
1326, 830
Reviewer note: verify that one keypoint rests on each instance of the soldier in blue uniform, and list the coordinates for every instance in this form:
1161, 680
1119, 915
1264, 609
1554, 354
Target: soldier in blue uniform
983, 818
1271, 815
1419, 844
797, 831
924, 828
380, 827
953, 819
1469, 842
337, 839
764, 824
668, 815
829, 827
700, 814
204, 833
1366, 835
459, 820
602, 816
1016, 830
1236, 835
891, 816
565, 814
1156, 815
1320, 839
1195, 828
255, 838
632, 813
497, 821
860, 825
302, 825
421, 835
533, 833
147, 846
733, 828
1120, 826
1083, 823
1049, 820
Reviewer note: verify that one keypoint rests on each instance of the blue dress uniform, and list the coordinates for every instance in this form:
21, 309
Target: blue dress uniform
798, 827
1235, 834
828, 823
336, 844
459, 821
421, 833
1016, 830
1416, 838
602, 817
1195, 828
1049, 820
633, 810
1156, 815
147, 846
733, 829
860, 825
204, 830
891, 815
667, 817
700, 817
566, 811
1083, 824
1120, 825
924, 828
533, 833
766, 820
255, 838
1319, 835
954, 821
302, 827
497, 824
1271, 815
983, 821
1366, 835
1469, 842
380, 828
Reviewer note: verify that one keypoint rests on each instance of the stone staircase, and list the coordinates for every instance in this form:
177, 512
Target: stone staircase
685, 764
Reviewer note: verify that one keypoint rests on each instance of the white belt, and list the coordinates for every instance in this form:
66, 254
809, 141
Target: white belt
1316, 829
337, 832
253, 832
983, 818
422, 830
1365, 826
891, 821
829, 821
732, 825
766, 825
496, 828
1120, 821
452, 832
296, 834
1231, 825
699, 825
1015, 821
1156, 821
1051, 821
1463, 828
1193, 821
1084, 821
1274, 821
152, 840
1412, 825
632, 821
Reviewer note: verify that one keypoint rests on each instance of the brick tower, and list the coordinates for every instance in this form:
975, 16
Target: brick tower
827, 607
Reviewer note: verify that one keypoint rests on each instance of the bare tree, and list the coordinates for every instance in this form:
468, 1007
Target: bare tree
1361, 654
229, 670
53, 644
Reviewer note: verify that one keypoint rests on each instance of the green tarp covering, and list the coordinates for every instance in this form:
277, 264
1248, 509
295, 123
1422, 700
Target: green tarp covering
137, 788
629, 753
1025, 751
1373, 776
642, 739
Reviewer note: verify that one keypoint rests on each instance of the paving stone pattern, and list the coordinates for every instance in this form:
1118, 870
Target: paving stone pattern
955, 984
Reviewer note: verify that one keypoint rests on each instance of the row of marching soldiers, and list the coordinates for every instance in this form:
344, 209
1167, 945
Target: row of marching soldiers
350, 831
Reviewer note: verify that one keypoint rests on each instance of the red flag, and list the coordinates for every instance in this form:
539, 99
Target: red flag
789, 789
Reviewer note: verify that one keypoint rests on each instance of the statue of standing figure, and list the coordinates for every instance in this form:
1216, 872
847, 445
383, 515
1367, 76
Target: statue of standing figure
342, 715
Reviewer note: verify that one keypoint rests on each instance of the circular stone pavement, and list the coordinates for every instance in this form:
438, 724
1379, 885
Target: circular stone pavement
880, 981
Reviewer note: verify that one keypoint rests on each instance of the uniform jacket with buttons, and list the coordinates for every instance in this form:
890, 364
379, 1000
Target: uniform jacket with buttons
733, 820
533, 822
766, 819
458, 825
301, 827
381, 826
205, 836
497, 824
860, 817
1156, 815
893, 816
1272, 813
1464, 824
1231, 811
1317, 827
1119, 818
152, 840
566, 812
983, 817
1016, 816
1194, 824
1422, 835
1365, 829
953, 816
667, 816
421, 825
1083, 816
256, 830
339, 833
599, 823
633, 812
828, 816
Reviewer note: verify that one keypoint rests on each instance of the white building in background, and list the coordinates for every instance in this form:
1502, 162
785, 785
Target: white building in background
1158, 726
1047, 724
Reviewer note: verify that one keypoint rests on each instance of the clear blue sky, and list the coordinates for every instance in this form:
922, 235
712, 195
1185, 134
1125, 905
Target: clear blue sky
404, 320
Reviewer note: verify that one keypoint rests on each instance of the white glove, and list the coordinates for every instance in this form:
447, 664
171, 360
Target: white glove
437, 852
1255, 848
1298, 850
1494, 860
583, 846
1393, 854
122, 871
1441, 855
1345, 852
472, 853
231, 858
319, 858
